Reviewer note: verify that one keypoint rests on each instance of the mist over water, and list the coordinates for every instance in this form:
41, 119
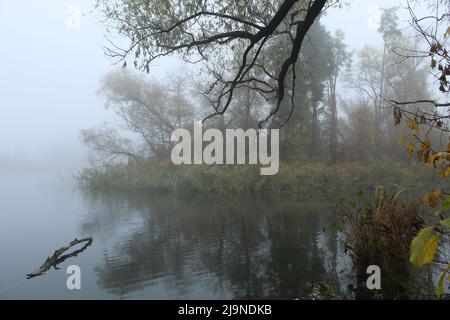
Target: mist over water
181, 232
162, 246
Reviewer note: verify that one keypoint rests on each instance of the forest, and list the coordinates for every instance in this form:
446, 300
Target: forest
364, 131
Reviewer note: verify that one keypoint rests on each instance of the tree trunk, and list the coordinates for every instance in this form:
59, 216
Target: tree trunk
333, 122
379, 105
315, 131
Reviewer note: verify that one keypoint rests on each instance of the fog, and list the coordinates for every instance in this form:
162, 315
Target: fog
358, 142
50, 75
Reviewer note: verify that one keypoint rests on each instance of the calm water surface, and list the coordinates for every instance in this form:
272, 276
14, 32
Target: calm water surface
163, 246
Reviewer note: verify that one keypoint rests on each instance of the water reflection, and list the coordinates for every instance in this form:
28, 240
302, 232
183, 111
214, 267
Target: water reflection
177, 247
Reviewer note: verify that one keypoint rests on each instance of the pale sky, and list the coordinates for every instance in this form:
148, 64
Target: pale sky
360, 22
50, 72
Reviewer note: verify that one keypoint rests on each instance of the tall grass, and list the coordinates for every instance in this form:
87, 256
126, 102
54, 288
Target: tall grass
300, 179
380, 234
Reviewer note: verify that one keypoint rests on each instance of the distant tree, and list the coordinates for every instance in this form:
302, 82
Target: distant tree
146, 109
340, 59
180, 100
383, 74
245, 111
358, 131
434, 30
210, 31
107, 144
423, 117
390, 32
303, 110
422, 114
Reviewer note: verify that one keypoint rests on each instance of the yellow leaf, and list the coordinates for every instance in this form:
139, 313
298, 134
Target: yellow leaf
447, 32
446, 172
432, 198
438, 155
433, 158
420, 154
423, 154
412, 124
423, 247
401, 140
410, 148
426, 145
440, 287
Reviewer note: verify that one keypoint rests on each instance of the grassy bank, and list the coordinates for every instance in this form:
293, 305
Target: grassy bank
299, 179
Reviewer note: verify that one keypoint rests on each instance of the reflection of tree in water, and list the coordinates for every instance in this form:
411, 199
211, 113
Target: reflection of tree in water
295, 258
242, 248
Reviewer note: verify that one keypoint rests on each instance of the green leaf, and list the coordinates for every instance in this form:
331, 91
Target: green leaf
446, 203
446, 223
423, 247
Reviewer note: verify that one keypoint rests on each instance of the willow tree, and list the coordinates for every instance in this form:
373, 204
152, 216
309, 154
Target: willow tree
144, 109
210, 31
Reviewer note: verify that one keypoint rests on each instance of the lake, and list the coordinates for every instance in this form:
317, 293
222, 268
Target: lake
160, 246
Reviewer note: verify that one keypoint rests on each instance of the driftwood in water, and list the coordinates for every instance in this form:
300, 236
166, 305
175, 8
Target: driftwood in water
58, 256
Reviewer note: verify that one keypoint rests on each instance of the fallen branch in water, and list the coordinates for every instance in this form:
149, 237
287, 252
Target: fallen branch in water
58, 258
